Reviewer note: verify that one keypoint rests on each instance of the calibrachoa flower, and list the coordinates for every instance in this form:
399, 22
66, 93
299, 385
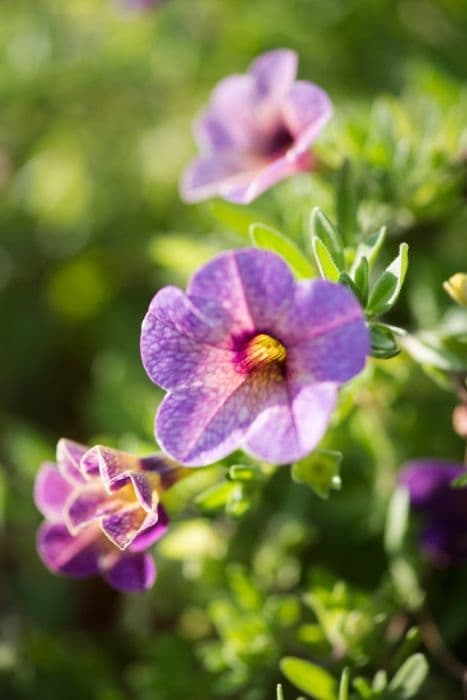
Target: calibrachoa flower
257, 130
429, 483
102, 510
250, 358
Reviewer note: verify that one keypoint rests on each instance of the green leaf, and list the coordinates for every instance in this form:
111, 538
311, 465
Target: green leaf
234, 217
326, 265
409, 678
361, 277
386, 291
344, 685
216, 497
397, 521
347, 281
405, 581
268, 238
428, 349
243, 472
380, 681
322, 228
369, 248
279, 692
346, 202
319, 470
309, 678
239, 500
460, 482
362, 686
383, 343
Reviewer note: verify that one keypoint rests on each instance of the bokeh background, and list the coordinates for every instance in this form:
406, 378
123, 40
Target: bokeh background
97, 103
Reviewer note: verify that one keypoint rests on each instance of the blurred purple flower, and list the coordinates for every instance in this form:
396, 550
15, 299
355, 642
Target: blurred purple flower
444, 535
256, 131
250, 358
141, 4
102, 511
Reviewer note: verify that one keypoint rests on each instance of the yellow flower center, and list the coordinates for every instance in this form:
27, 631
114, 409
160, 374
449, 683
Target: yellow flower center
263, 350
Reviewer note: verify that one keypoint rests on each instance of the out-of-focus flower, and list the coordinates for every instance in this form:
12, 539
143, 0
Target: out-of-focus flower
256, 131
141, 4
250, 358
102, 511
456, 287
429, 483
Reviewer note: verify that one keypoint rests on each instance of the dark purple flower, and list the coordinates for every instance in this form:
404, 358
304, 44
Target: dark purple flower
257, 130
102, 511
429, 483
250, 358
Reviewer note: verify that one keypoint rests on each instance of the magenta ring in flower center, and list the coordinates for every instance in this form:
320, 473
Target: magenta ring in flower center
259, 352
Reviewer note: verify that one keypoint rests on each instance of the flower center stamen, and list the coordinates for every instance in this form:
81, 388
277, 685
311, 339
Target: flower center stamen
263, 350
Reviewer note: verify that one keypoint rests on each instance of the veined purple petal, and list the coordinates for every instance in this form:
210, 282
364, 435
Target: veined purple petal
51, 491
69, 455
147, 537
327, 335
306, 110
88, 503
133, 573
294, 422
122, 526
252, 286
274, 73
60, 551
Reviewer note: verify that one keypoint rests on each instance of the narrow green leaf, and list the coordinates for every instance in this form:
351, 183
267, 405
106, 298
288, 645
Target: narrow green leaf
370, 247
279, 692
234, 217
460, 482
216, 497
380, 681
363, 688
319, 470
268, 238
397, 521
326, 265
383, 343
242, 472
361, 277
384, 294
309, 678
344, 685
347, 281
346, 202
409, 678
321, 227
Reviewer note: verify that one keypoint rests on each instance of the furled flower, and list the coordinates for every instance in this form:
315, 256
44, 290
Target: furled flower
257, 130
102, 511
429, 483
250, 358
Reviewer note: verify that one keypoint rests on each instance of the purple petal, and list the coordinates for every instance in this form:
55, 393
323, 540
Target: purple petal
177, 340
69, 455
88, 502
252, 286
147, 537
274, 73
429, 484
306, 110
61, 552
218, 175
122, 527
328, 339
133, 573
293, 424
51, 491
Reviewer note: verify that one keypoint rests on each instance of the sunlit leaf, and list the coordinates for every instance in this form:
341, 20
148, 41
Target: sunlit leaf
309, 678
265, 237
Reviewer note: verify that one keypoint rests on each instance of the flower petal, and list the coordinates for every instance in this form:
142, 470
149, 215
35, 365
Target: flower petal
327, 335
122, 526
252, 286
429, 484
218, 175
87, 503
61, 552
51, 491
133, 573
294, 422
153, 533
274, 73
69, 455
306, 110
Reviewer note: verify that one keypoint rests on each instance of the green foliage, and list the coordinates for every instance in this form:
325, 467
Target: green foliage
266, 237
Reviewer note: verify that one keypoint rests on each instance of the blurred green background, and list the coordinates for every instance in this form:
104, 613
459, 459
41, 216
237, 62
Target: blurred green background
95, 128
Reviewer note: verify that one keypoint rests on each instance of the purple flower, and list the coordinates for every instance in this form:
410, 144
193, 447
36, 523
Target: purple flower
141, 4
102, 511
250, 358
256, 131
444, 535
